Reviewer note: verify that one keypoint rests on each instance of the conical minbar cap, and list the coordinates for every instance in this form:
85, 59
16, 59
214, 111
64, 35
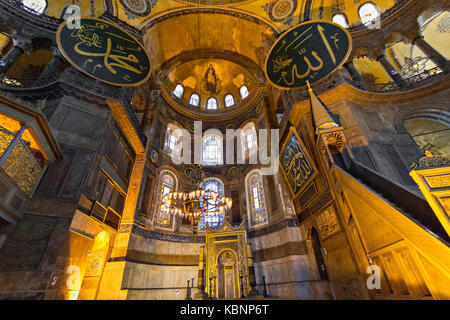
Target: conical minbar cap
322, 119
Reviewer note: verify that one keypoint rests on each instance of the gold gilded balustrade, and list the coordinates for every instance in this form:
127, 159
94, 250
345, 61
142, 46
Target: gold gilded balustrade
20, 166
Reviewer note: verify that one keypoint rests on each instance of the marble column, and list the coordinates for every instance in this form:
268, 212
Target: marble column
251, 270
201, 294
50, 69
353, 72
431, 52
16, 51
391, 71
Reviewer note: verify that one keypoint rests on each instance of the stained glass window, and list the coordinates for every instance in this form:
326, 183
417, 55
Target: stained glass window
212, 151
167, 183
255, 198
178, 92
213, 218
229, 100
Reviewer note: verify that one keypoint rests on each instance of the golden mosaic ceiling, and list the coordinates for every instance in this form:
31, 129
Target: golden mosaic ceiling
183, 36
210, 78
280, 14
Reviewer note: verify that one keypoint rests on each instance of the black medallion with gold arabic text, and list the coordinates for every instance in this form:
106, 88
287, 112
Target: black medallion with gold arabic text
309, 51
104, 52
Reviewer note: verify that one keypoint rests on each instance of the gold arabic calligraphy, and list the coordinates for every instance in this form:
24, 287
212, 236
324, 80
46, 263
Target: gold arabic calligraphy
114, 57
281, 62
296, 165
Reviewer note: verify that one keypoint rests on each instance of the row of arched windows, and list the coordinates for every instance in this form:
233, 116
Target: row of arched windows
368, 12
256, 203
211, 103
212, 148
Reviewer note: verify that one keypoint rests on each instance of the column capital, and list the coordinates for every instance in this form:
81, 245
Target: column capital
21, 43
412, 34
377, 53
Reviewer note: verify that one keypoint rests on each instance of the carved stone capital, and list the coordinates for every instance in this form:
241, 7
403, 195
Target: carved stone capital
23, 44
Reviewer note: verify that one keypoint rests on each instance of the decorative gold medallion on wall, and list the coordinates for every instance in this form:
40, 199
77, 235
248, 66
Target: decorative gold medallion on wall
154, 156
282, 9
139, 8
233, 171
189, 172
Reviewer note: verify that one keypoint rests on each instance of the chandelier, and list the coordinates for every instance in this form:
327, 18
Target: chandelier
194, 205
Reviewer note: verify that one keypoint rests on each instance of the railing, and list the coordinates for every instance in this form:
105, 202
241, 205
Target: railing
17, 8
20, 166
365, 26
415, 81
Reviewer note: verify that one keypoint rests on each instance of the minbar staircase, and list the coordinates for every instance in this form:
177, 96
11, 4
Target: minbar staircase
408, 203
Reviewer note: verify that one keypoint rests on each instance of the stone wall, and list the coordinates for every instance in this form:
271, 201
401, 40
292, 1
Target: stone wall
159, 269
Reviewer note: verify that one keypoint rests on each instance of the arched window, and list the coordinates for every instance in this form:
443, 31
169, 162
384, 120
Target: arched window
35, 6
256, 204
229, 100
249, 140
213, 217
178, 92
194, 100
212, 150
368, 12
167, 183
173, 141
243, 91
211, 104
340, 19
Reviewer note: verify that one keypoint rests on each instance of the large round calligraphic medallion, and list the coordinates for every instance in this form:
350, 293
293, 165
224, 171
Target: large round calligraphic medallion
104, 52
282, 9
139, 8
307, 52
